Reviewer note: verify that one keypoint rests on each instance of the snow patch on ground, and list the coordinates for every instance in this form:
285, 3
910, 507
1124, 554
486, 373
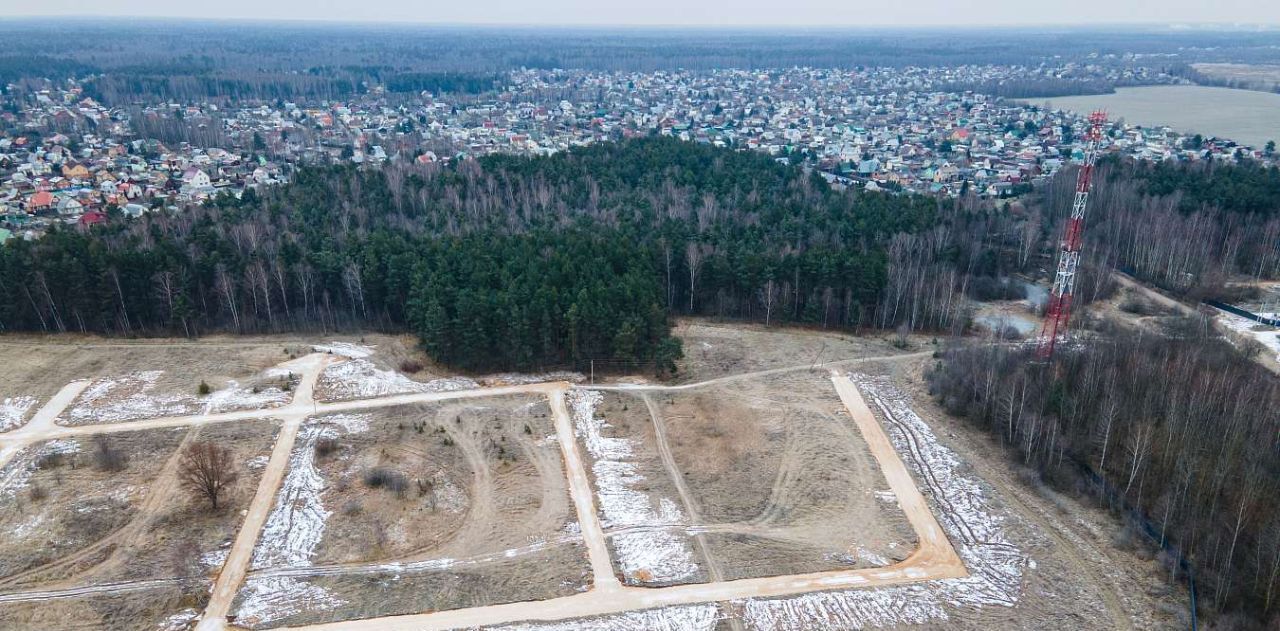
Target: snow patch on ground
996, 565
16, 475
361, 379
345, 349
296, 524
180, 621
13, 411
267, 599
233, 397
125, 398
654, 553
131, 397
214, 558
686, 618
349, 423
871, 557
520, 379
1268, 336
294, 530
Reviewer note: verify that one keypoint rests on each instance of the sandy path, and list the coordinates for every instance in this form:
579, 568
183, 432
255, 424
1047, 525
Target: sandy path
241, 553
934, 559
761, 373
583, 499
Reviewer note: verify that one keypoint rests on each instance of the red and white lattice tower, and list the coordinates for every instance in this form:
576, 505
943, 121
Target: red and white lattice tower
1059, 310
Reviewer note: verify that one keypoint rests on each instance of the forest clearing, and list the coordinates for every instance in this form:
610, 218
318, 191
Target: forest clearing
753, 491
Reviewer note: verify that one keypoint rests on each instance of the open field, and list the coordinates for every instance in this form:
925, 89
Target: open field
760, 491
777, 460
420, 507
109, 510
1245, 116
1251, 76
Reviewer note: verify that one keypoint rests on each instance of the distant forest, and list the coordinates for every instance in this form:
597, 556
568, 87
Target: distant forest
505, 262
516, 262
157, 59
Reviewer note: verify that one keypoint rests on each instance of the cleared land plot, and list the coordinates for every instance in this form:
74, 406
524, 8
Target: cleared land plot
715, 350
417, 508
392, 365
135, 380
110, 508
636, 499
780, 477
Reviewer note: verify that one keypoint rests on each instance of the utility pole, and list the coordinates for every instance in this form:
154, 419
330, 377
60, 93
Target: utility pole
1058, 312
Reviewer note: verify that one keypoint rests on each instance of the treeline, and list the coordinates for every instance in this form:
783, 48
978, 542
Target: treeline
506, 262
443, 82
119, 88
1182, 428
1186, 227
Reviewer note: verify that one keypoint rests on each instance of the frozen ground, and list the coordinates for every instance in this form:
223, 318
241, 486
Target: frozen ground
13, 411
362, 379
17, 473
645, 547
1268, 336
293, 531
134, 396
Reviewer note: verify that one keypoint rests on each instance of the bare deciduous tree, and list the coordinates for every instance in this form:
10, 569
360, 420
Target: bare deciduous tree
207, 470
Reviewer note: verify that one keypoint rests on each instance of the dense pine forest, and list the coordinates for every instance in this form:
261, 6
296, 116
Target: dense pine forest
504, 262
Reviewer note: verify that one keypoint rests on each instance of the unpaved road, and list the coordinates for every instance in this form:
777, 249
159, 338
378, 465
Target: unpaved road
934, 559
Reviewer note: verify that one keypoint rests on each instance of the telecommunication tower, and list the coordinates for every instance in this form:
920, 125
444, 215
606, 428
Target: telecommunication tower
1058, 312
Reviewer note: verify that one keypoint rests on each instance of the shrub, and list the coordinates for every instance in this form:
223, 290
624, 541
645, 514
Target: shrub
106, 457
203, 389
410, 366
38, 493
326, 446
381, 477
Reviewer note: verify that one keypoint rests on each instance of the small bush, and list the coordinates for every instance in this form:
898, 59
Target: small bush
326, 446
352, 508
51, 460
38, 493
203, 389
381, 477
410, 366
106, 457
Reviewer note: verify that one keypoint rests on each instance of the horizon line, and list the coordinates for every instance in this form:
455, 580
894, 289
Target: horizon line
1171, 26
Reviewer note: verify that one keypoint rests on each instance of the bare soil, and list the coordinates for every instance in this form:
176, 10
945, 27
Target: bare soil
717, 349
98, 525
549, 573
146, 610
483, 517
482, 475
776, 460
628, 417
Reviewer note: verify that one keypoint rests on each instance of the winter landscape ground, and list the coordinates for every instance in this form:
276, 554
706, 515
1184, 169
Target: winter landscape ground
784, 480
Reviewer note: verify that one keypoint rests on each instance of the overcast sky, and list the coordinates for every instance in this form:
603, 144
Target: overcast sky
681, 12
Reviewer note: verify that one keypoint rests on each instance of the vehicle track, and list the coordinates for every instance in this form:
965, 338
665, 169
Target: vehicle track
162, 487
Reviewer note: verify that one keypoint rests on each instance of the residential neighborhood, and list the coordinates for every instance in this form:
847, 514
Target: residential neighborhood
66, 157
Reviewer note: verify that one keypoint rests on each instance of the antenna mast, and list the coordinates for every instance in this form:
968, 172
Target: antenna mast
1059, 310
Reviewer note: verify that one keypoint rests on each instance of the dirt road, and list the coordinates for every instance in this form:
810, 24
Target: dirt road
583, 499
935, 558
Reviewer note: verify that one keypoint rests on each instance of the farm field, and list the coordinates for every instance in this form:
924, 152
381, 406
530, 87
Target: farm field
810, 484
